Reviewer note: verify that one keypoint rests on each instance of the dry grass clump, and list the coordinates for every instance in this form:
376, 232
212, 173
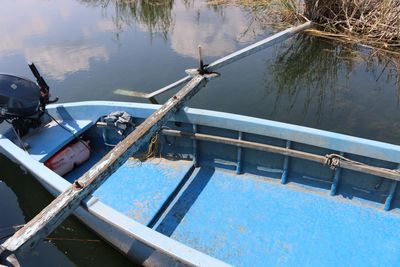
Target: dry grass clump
276, 13
372, 22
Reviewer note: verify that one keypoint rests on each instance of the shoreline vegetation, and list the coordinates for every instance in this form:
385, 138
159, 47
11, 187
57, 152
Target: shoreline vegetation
352, 24
370, 23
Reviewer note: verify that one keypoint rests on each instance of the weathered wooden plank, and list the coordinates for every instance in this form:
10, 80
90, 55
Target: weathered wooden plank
380, 172
254, 48
9, 259
169, 87
233, 57
50, 217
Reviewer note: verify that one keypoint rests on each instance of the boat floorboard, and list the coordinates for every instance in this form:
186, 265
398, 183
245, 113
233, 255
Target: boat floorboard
139, 189
247, 221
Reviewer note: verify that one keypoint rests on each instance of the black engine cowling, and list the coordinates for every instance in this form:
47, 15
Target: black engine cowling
23, 102
19, 97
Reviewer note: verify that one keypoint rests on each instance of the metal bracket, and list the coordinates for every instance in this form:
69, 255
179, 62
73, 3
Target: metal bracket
202, 70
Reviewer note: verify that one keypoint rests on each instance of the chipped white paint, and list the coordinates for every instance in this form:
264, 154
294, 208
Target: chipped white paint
97, 169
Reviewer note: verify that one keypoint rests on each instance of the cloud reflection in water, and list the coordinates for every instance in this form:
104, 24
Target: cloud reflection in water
45, 36
58, 61
63, 37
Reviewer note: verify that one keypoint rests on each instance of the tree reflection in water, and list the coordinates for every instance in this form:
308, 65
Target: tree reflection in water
313, 72
155, 15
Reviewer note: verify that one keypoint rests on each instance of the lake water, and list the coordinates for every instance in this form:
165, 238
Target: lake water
87, 49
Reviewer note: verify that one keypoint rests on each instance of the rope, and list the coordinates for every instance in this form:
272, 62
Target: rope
334, 160
153, 149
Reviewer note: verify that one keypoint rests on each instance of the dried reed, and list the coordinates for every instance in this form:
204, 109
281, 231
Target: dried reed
374, 23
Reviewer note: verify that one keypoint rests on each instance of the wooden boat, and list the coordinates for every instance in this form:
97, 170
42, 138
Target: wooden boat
224, 189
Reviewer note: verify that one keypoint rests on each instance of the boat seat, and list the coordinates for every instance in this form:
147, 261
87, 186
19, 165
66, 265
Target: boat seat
46, 141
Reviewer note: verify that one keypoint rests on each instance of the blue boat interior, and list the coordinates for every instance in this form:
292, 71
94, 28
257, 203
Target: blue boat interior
249, 207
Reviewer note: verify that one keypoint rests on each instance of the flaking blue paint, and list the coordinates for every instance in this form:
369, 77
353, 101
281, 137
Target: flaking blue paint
336, 179
249, 222
92, 110
195, 149
239, 155
285, 165
139, 189
389, 199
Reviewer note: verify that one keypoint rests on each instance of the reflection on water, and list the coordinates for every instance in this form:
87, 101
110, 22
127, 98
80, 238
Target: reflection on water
13, 41
58, 61
155, 15
44, 254
217, 31
66, 37
216, 28
88, 48
43, 35
335, 87
311, 68
69, 242
385, 66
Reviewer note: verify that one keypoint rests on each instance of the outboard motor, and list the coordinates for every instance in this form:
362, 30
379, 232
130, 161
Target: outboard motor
23, 102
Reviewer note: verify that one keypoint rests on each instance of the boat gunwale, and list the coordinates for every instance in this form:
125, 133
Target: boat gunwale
55, 184
280, 130
222, 120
